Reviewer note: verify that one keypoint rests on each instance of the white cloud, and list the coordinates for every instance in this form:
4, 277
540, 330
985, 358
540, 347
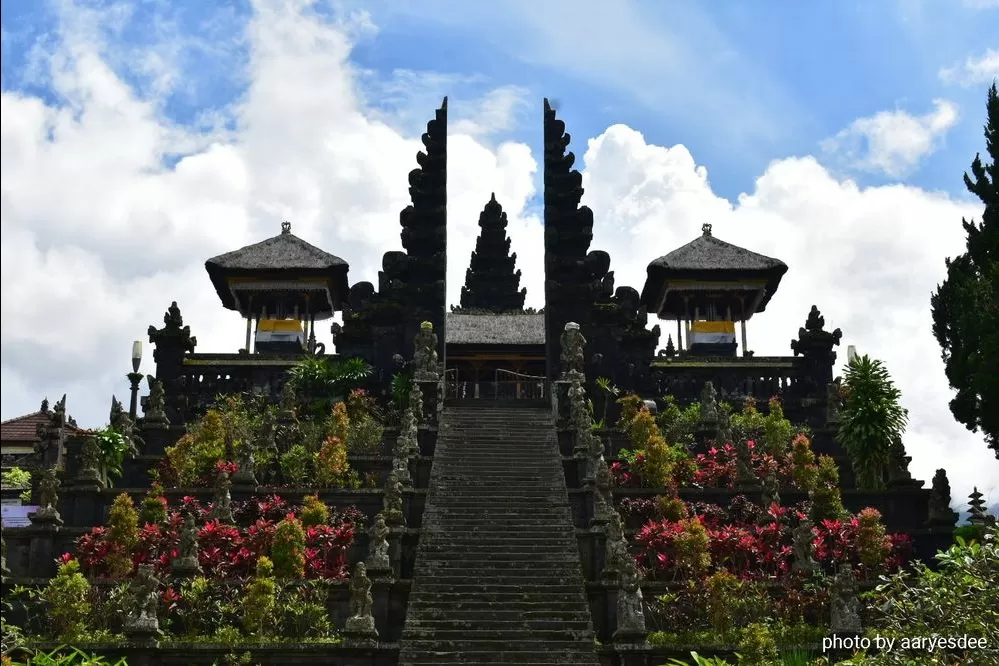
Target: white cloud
98, 236
974, 70
892, 142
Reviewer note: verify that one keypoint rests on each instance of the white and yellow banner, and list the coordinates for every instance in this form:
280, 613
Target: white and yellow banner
712, 332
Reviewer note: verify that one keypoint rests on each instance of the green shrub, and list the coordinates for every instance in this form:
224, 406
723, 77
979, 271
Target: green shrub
314, 511
123, 536
66, 596
288, 548
259, 599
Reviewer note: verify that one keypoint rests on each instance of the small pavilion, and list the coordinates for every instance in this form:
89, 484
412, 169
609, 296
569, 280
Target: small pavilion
708, 285
284, 284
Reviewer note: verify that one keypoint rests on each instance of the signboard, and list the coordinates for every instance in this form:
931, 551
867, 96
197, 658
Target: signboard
16, 516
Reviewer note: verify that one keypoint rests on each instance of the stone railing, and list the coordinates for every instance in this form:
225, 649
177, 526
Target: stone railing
206, 376
734, 378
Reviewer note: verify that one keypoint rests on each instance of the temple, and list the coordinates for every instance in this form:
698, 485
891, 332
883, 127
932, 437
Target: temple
485, 465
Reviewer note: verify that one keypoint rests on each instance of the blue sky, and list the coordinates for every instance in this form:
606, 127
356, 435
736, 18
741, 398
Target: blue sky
739, 83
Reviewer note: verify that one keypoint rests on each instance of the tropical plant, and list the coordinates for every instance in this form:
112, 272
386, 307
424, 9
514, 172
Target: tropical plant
965, 306
66, 598
872, 419
15, 477
608, 392
66, 656
112, 447
321, 382
960, 597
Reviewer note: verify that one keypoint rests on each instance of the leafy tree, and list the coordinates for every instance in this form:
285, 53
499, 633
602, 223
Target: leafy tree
966, 305
871, 420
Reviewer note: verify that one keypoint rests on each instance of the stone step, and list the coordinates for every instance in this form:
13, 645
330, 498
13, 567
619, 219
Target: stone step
510, 589
551, 584
544, 655
428, 611
482, 567
502, 551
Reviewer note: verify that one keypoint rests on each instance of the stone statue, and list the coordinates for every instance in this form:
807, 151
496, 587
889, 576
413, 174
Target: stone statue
416, 402
48, 498
187, 561
154, 412
144, 594
803, 548
833, 402
616, 549
771, 495
844, 603
709, 407
361, 624
378, 546
400, 464
222, 500
603, 499
630, 605
573, 344
392, 504
90, 463
425, 354
940, 512
288, 401
123, 424
579, 411
408, 442
245, 463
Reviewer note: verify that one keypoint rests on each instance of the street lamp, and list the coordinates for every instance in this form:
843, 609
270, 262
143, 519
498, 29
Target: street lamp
134, 378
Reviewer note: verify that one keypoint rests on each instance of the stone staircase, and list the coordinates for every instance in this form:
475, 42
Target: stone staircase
498, 577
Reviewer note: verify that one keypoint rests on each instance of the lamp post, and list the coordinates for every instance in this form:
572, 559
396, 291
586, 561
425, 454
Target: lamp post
134, 378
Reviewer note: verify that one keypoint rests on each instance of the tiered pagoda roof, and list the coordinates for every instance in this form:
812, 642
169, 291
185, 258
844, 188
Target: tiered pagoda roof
492, 281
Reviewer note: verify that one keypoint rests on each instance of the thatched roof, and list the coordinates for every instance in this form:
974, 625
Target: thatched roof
285, 251
495, 329
707, 253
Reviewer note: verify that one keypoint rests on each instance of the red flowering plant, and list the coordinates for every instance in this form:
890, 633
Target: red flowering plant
227, 550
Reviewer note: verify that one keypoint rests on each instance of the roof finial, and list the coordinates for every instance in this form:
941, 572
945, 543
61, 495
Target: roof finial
706, 228
286, 227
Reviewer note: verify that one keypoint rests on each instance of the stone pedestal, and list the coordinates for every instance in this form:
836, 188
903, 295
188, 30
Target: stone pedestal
432, 404
41, 551
360, 631
395, 552
560, 392
143, 631
158, 436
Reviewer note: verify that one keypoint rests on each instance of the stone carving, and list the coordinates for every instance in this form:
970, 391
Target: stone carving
48, 498
573, 344
603, 499
186, 563
48, 448
288, 401
771, 495
378, 545
844, 603
222, 499
408, 442
709, 407
392, 503
400, 463
360, 624
940, 511
616, 549
425, 354
144, 598
898, 466
245, 464
90, 463
154, 412
834, 401
670, 350
123, 424
630, 605
416, 402
803, 548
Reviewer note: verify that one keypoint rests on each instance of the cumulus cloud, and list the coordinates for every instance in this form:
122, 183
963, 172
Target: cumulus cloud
109, 211
892, 142
974, 70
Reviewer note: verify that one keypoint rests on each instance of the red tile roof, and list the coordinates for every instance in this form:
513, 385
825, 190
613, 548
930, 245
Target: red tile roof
25, 428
